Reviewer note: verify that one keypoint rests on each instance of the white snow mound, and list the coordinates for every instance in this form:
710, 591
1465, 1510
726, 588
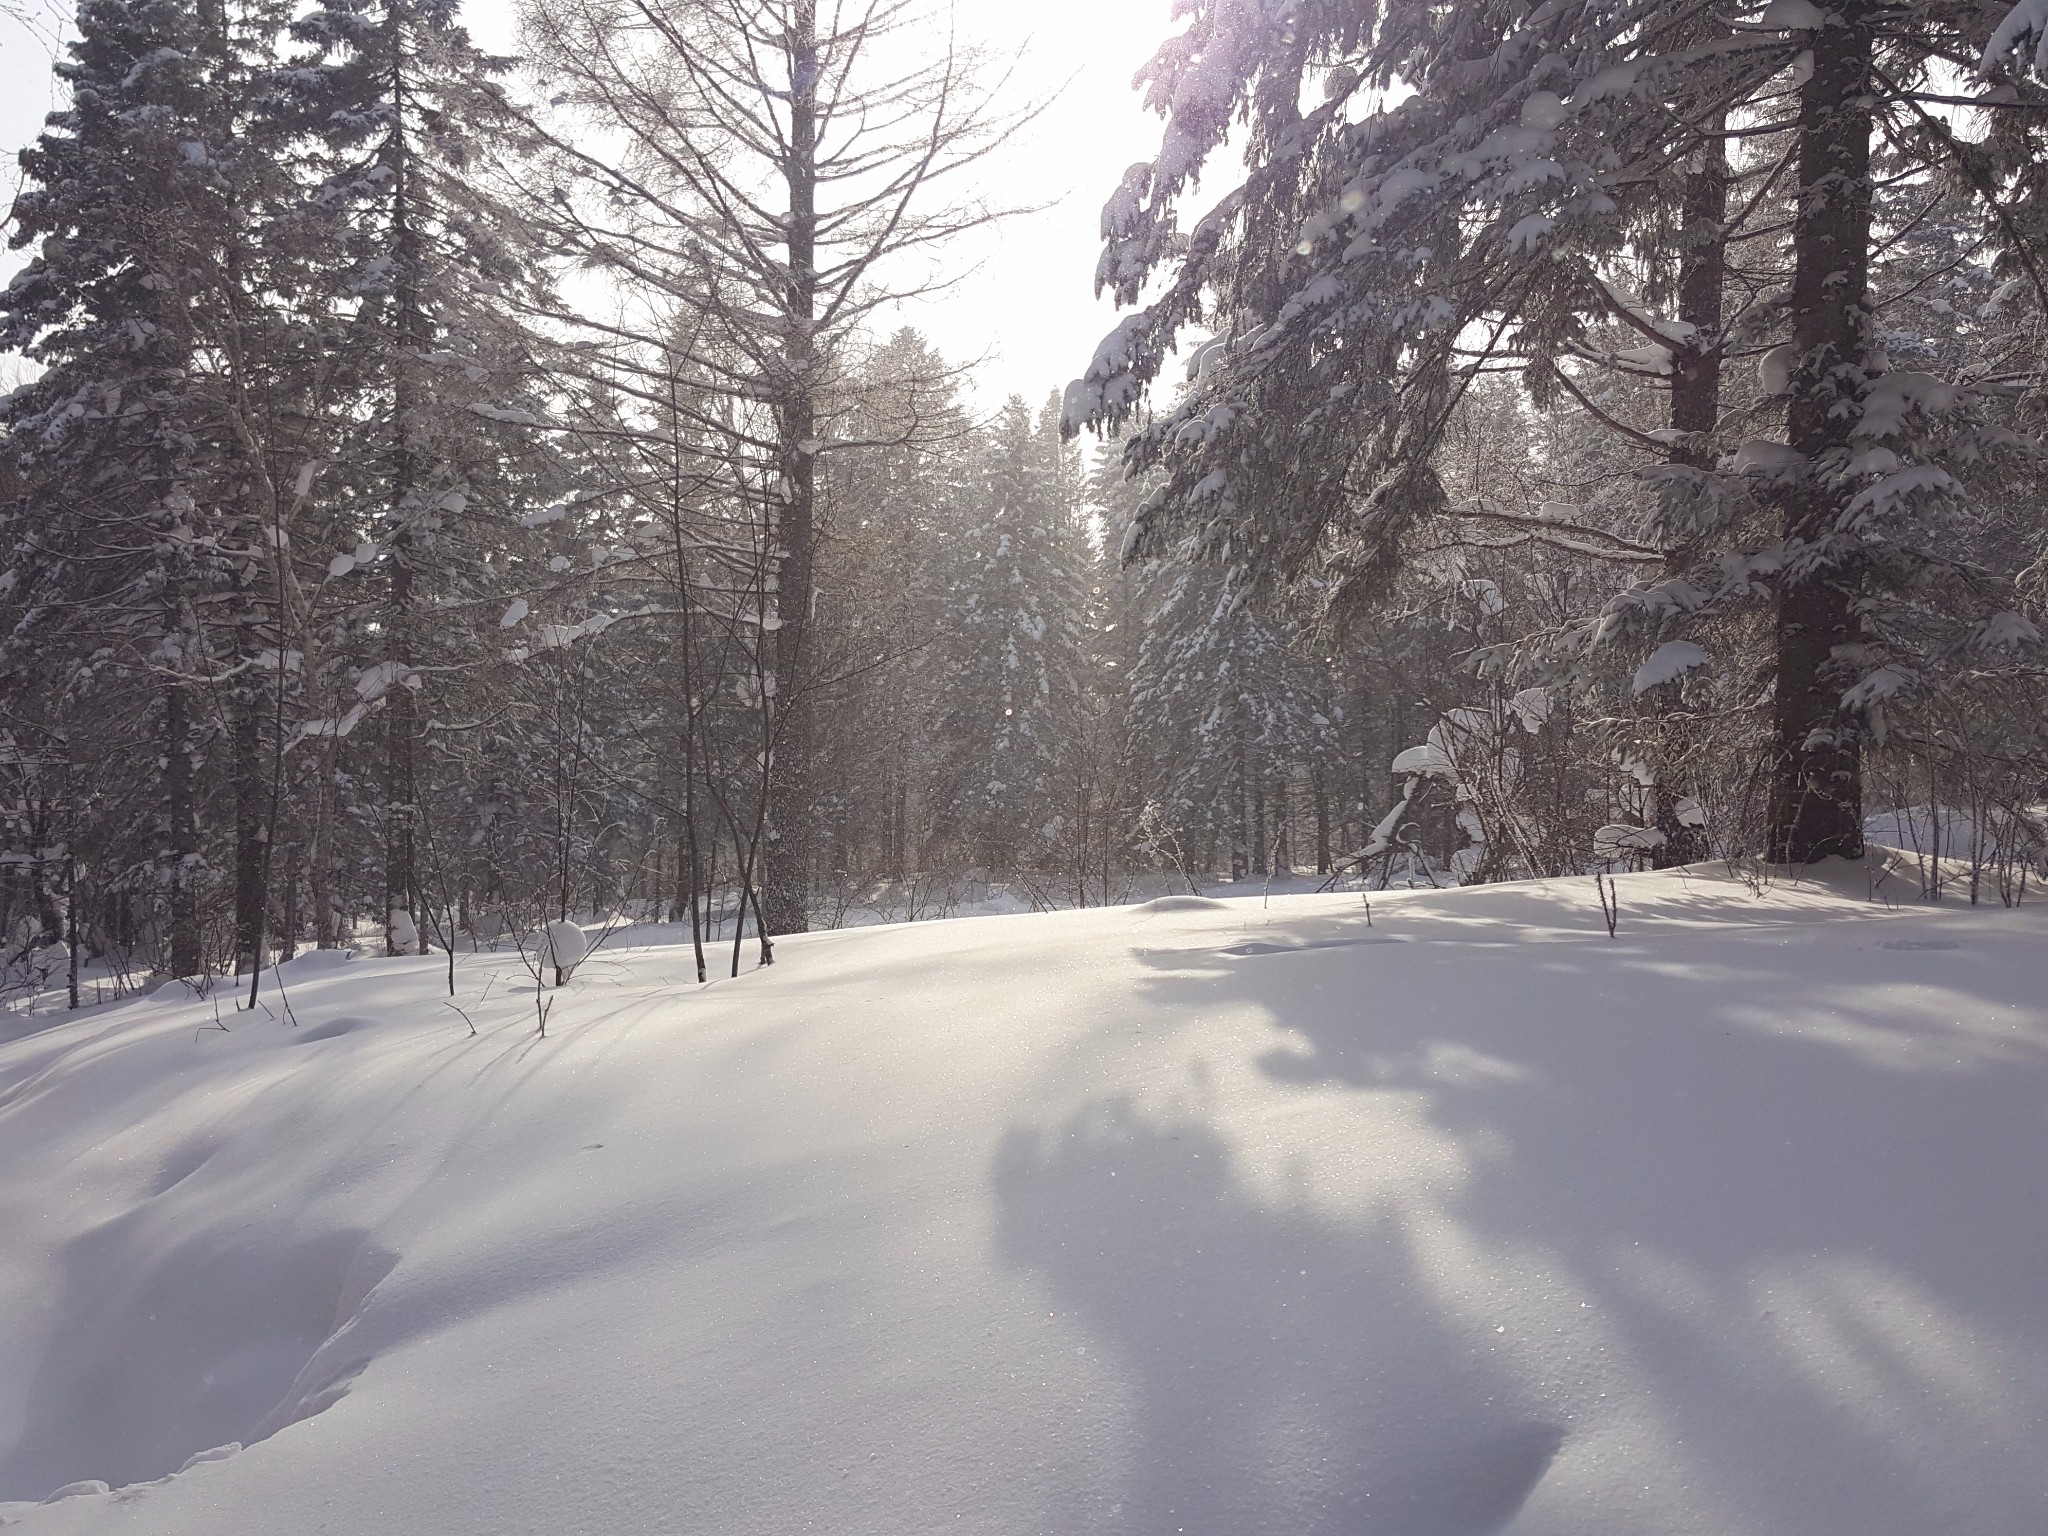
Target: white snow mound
1446, 1216
563, 945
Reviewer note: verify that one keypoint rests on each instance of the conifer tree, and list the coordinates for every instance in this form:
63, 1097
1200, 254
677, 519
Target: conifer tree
141, 546
411, 121
1015, 668
1471, 194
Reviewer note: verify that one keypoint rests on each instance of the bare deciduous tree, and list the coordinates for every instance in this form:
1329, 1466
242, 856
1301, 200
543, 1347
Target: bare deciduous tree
783, 172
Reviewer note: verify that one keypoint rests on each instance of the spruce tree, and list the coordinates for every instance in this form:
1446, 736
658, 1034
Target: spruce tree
1474, 192
411, 124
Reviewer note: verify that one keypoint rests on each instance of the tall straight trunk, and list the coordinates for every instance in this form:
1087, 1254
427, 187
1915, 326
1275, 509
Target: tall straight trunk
784, 902
288, 919
320, 856
1259, 844
1695, 412
74, 942
899, 824
42, 881
1322, 794
1816, 799
685, 889
181, 853
249, 808
401, 703
1240, 819
401, 751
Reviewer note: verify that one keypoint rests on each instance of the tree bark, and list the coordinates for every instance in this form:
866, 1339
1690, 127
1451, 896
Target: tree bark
249, 807
181, 854
784, 899
401, 707
1816, 799
1322, 794
320, 856
1696, 412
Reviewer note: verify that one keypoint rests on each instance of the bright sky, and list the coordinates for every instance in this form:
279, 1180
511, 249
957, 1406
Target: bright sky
1029, 307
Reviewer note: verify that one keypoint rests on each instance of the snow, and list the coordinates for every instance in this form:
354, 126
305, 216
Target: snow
1619, 838
508, 415
1530, 232
1445, 1215
1386, 829
1669, 662
1763, 457
2027, 19
1544, 111
2008, 631
1792, 16
1915, 480
381, 677
1531, 706
563, 947
1891, 398
1775, 368
1651, 359
1426, 759
1616, 80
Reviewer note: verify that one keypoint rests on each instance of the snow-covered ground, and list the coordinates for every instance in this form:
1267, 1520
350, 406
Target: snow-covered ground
1234, 1218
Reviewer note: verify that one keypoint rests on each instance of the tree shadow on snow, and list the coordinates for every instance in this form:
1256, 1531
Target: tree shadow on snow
1776, 1191
1224, 1313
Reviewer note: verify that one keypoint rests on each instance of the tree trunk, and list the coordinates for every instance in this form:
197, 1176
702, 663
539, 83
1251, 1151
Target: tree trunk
1816, 803
784, 900
401, 733
181, 853
320, 856
1260, 847
413, 336
249, 797
1240, 818
1695, 411
288, 919
1322, 793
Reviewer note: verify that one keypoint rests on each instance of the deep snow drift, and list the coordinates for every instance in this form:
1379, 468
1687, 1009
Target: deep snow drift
1203, 1217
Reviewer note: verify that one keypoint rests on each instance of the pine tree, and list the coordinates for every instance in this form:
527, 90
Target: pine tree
1014, 662
410, 122
148, 444
1380, 257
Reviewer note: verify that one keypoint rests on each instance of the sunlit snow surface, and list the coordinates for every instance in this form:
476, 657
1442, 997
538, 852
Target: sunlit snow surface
1220, 1218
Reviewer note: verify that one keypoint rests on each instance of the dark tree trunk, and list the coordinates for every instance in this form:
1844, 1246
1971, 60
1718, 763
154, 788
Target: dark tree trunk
1816, 803
784, 899
1695, 411
401, 705
320, 856
288, 919
249, 808
1322, 792
1240, 818
401, 738
1261, 849
181, 853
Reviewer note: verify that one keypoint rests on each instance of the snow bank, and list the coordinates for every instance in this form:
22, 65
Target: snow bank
1446, 1216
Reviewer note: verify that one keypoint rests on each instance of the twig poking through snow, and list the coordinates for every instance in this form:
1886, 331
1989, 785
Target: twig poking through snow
1610, 902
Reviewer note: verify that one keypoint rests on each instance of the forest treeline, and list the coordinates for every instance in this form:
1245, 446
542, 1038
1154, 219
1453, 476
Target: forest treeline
444, 496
